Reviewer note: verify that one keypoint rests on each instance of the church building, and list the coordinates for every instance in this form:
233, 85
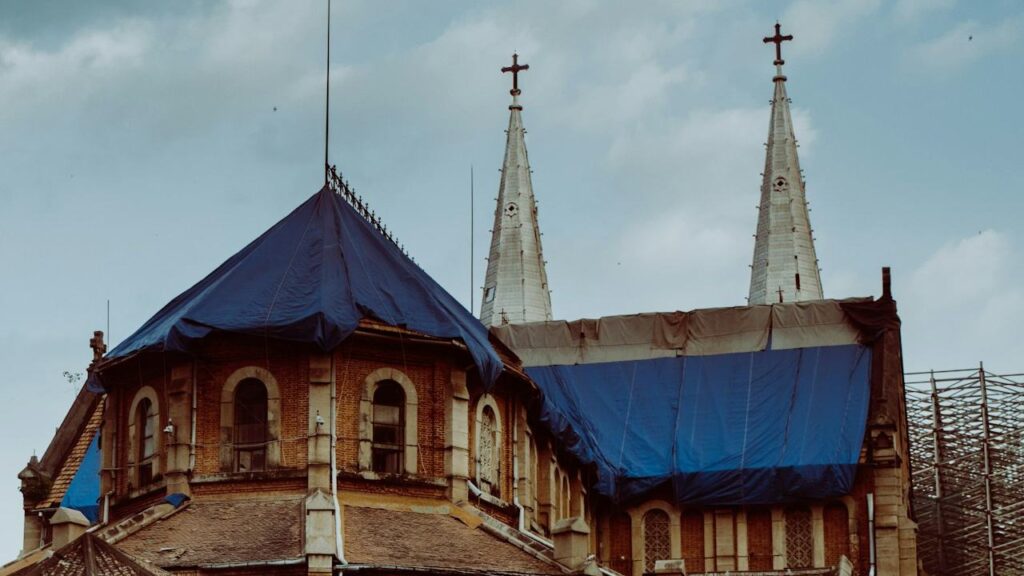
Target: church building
318, 404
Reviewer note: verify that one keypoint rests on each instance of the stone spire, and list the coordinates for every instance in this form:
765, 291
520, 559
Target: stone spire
516, 285
785, 267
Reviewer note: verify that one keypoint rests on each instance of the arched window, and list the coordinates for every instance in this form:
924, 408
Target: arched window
566, 497
534, 472
145, 427
250, 426
799, 538
488, 446
388, 428
657, 538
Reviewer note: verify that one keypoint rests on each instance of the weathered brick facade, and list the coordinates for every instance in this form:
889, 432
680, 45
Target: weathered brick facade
532, 468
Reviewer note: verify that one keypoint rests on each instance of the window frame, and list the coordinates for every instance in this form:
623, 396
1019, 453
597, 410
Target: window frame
144, 470
251, 448
228, 453
388, 457
410, 443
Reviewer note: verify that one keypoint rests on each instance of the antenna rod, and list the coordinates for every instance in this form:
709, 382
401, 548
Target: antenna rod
471, 256
108, 320
327, 100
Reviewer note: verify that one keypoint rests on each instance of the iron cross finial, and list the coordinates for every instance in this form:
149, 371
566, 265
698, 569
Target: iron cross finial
515, 69
778, 39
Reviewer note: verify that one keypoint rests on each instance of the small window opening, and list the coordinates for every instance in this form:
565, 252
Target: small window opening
146, 424
250, 434
798, 281
388, 428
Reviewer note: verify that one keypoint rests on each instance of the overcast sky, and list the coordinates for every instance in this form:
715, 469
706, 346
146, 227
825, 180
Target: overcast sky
141, 144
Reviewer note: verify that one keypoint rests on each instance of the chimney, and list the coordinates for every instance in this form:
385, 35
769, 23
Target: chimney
67, 525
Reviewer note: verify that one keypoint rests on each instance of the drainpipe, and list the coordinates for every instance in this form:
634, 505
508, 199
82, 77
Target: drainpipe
338, 544
871, 533
192, 435
515, 465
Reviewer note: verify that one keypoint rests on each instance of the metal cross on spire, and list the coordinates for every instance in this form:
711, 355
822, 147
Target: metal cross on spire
515, 69
778, 39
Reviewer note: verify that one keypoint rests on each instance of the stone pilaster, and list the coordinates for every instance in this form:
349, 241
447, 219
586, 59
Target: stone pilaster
778, 538
524, 483
709, 539
572, 542
178, 434
321, 408
818, 534
108, 443
319, 535
456, 438
321, 525
742, 551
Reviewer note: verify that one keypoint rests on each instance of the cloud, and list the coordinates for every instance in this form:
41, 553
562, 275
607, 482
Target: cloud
965, 44
30, 77
820, 23
906, 10
969, 292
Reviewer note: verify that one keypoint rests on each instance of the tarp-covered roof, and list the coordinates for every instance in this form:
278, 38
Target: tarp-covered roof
750, 405
311, 278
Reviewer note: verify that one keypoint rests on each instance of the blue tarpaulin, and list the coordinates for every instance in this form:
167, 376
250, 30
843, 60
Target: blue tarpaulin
765, 427
311, 278
84, 491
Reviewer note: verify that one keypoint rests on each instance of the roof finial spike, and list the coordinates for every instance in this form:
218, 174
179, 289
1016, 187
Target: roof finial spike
778, 39
515, 69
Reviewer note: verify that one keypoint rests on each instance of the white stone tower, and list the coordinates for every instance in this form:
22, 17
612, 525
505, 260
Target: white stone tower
785, 267
516, 284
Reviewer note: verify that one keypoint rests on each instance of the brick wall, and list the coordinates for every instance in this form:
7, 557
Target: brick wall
692, 539
288, 363
837, 533
759, 538
620, 543
254, 485
431, 378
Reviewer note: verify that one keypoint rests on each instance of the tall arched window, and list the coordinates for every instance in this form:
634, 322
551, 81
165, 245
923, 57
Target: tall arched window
566, 497
534, 472
250, 426
657, 538
490, 452
145, 426
388, 428
799, 538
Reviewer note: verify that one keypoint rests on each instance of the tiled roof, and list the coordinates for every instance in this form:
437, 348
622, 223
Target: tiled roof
212, 532
404, 539
88, 556
70, 465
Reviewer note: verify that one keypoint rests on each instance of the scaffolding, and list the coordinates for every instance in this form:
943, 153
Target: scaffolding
967, 460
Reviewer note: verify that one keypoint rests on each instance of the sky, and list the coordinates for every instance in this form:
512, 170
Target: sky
141, 144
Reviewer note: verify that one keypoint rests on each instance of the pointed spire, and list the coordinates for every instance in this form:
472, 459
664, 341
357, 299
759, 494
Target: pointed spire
516, 284
785, 266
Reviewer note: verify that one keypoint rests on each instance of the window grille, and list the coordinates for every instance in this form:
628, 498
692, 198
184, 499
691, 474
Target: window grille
657, 541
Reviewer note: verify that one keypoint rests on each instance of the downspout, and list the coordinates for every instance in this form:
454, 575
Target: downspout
338, 544
192, 435
515, 465
871, 533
